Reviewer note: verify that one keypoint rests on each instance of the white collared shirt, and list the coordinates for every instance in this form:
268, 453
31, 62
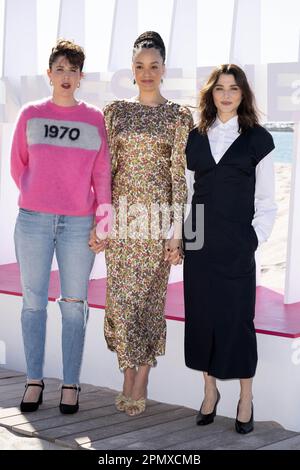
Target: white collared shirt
221, 136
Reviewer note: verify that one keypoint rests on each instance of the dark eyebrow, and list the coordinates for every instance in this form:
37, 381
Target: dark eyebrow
218, 84
155, 62
72, 66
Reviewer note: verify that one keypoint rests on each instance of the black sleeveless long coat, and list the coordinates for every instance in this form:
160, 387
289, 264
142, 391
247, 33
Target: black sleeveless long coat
219, 278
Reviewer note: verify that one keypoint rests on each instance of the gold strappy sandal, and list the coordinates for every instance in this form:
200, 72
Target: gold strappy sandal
121, 401
135, 407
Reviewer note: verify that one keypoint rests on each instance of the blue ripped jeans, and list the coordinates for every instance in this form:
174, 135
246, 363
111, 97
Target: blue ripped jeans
37, 236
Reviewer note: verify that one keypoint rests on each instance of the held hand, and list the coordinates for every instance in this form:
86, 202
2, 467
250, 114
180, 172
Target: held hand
173, 251
97, 243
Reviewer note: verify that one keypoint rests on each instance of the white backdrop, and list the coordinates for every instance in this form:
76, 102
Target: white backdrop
198, 35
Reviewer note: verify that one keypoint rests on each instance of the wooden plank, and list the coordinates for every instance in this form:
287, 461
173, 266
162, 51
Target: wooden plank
11, 389
98, 425
105, 415
13, 442
182, 434
123, 440
177, 431
58, 420
110, 427
89, 408
12, 380
12, 411
42, 415
190, 434
16, 392
7, 373
51, 400
15, 401
293, 443
13, 416
230, 439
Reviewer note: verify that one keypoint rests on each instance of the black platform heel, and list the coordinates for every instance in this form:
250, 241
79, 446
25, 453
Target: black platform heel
204, 419
244, 428
28, 406
69, 409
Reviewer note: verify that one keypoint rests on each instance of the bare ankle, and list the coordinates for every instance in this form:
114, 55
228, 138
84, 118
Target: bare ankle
245, 397
210, 388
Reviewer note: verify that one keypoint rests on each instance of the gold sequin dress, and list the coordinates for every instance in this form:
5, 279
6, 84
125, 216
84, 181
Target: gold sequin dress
147, 145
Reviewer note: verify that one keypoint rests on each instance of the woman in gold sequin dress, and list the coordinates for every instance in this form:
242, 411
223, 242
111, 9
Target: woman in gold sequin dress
147, 138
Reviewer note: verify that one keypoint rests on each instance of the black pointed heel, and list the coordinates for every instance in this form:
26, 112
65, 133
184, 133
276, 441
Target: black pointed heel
69, 409
244, 428
204, 419
29, 406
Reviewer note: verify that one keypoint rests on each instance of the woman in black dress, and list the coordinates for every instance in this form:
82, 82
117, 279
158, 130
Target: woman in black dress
229, 154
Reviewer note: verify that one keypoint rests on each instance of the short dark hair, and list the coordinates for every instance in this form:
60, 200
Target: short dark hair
247, 111
73, 52
148, 40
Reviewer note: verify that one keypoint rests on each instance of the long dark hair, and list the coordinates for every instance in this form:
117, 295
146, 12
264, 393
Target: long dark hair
247, 110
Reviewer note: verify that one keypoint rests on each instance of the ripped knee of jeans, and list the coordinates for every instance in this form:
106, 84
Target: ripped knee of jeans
70, 300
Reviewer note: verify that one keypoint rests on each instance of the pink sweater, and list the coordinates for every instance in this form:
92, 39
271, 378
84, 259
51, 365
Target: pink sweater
60, 159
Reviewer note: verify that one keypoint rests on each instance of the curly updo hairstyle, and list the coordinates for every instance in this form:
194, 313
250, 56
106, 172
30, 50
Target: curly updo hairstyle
148, 40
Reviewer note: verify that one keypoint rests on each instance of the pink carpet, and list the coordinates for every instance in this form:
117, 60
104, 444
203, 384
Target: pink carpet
272, 316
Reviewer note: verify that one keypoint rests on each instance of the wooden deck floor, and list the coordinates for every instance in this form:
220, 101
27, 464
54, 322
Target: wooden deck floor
98, 425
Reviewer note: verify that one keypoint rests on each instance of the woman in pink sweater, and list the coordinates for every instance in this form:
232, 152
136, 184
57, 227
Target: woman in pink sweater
61, 164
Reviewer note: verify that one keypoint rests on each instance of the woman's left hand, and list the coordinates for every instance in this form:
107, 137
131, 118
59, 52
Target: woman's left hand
97, 243
173, 251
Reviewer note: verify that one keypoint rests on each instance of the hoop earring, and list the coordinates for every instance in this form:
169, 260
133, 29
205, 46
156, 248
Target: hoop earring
78, 85
134, 82
51, 83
